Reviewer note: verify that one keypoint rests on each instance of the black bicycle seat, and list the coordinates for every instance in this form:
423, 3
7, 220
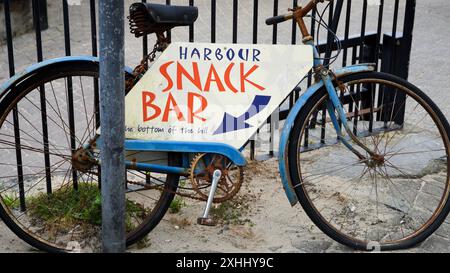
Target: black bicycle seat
148, 18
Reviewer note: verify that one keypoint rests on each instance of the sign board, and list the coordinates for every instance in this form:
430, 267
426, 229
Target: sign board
213, 92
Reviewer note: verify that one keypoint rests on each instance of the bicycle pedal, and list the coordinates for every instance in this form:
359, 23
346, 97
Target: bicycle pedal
206, 221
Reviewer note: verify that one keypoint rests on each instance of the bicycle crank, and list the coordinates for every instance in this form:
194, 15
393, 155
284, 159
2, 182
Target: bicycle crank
203, 167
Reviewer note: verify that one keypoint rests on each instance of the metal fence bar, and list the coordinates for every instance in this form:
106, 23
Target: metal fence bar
272, 120
213, 21
394, 34
255, 41
334, 22
9, 43
376, 57
235, 21
93, 28
346, 37
9, 40
69, 86
95, 80
169, 33
255, 21
293, 42
37, 25
43, 14
275, 26
191, 26
95, 53
346, 32
363, 31
408, 26
144, 41
379, 29
313, 34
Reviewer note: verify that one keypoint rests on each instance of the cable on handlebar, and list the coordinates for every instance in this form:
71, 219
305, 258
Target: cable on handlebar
322, 23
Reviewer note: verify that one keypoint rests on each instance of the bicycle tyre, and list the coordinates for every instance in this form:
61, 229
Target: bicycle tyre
305, 199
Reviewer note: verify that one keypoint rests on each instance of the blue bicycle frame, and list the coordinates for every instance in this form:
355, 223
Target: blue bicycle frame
234, 155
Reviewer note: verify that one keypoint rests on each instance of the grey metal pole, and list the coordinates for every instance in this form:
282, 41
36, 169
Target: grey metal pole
112, 120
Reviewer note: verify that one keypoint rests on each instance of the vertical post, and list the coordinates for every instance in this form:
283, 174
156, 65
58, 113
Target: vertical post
112, 116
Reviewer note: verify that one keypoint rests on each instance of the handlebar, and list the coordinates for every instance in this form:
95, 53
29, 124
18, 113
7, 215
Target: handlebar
299, 12
279, 19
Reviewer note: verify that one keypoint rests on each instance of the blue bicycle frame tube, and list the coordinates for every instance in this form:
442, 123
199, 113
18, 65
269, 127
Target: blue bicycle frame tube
333, 104
155, 168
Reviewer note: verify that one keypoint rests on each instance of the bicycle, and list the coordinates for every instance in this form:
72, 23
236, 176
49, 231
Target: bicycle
365, 153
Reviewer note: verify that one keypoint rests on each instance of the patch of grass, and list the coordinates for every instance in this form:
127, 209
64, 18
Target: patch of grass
176, 205
70, 207
143, 243
12, 202
231, 212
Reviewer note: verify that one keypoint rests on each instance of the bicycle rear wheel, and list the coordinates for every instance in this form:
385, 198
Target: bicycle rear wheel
391, 201
49, 198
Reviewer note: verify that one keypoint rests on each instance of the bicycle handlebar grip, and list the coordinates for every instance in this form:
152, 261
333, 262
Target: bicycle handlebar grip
276, 19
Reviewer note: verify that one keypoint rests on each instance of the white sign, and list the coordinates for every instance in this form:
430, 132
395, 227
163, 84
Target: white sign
213, 92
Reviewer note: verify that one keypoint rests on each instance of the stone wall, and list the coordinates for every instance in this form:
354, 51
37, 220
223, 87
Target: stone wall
21, 18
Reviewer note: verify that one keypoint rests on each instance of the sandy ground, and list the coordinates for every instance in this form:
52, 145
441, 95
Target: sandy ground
273, 225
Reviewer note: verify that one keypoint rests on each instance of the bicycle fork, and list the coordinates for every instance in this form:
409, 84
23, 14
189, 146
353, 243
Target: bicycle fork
334, 105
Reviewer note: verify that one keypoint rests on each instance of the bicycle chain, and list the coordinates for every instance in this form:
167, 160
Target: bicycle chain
140, 69
159, 187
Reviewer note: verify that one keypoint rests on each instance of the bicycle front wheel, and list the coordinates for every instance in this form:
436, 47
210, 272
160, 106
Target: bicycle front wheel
392, 200
48, 196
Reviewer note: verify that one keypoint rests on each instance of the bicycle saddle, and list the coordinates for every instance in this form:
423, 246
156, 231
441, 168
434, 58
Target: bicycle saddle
146, 18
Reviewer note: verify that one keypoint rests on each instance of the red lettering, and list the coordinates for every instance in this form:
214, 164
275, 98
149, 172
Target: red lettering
213, 77
147, 101
172, 105
244, 77
163, 71
183, 72
193, 114
227, 78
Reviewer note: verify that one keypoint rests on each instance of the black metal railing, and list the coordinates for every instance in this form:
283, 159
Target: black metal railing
390, 51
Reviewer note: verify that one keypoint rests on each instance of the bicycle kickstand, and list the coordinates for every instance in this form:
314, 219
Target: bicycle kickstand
205, 219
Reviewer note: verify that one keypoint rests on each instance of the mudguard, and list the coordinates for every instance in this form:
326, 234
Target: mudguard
289, 124
47, 64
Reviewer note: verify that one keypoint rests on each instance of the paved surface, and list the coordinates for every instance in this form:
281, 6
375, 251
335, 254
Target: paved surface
429, 64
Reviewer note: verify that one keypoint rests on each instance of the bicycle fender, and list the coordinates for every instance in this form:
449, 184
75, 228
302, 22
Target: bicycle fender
290, 120
41, 66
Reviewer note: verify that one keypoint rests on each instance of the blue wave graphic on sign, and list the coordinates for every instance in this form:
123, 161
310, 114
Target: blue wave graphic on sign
231, 123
